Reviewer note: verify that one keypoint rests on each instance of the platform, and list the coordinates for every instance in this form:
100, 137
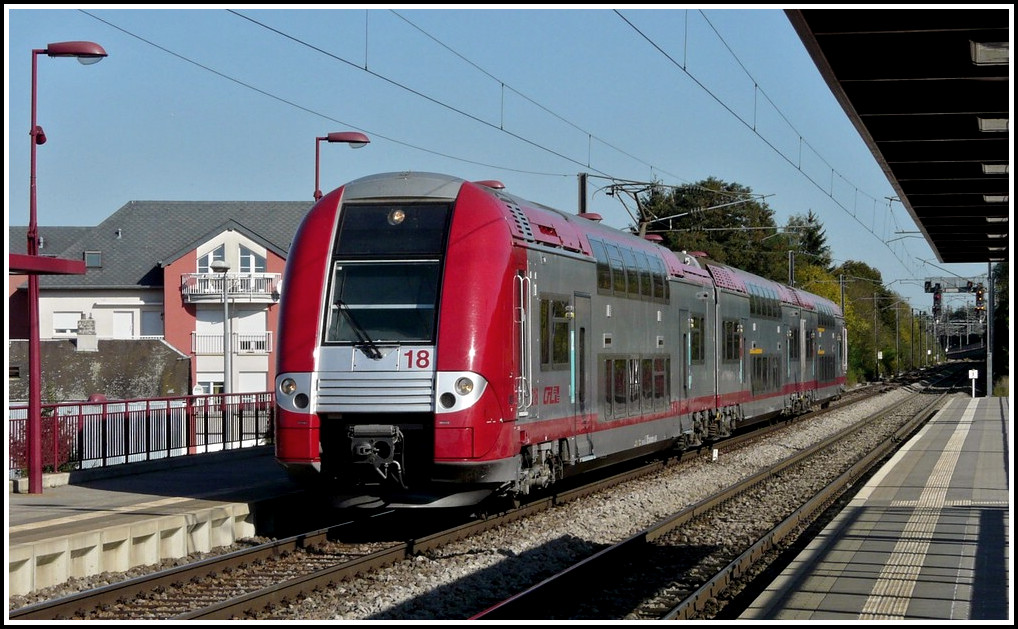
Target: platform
139, 514
927, 538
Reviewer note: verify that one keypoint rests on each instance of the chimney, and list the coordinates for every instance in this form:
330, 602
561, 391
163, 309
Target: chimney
87, 339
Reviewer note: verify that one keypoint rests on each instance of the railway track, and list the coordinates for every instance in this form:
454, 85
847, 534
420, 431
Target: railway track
255, 582
705, 561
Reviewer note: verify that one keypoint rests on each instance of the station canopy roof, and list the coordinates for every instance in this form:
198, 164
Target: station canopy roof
929, 91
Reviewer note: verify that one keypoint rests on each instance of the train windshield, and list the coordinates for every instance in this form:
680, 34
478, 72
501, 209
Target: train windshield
386, 273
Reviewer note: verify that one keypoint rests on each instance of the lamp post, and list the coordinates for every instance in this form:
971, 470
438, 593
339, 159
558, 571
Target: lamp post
87, 53
221, 266
354, 138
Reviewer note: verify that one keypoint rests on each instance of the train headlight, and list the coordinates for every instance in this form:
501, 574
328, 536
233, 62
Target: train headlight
396, 217
301, 400
464, 386
458, 390
287, 386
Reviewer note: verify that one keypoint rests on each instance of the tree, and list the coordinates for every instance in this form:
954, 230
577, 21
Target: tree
725, 221
811, 239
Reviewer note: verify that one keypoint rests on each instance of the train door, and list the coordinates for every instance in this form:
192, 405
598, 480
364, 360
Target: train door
579, 367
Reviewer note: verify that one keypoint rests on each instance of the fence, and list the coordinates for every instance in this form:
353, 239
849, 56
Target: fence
83, 435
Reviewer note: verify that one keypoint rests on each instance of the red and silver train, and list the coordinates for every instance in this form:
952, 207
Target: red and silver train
443, 341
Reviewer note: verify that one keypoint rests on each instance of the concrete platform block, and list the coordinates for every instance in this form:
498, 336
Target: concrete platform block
144, 546
116, 549
243, 521
221, 531
20, 569
86, 558
52, 562
197, 533
173, 538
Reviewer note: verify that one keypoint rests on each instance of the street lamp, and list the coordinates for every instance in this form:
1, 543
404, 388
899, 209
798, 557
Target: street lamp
87, 53
221, 266
354, 138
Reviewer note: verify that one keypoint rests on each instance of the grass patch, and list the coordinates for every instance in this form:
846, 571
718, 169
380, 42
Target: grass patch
1002, 387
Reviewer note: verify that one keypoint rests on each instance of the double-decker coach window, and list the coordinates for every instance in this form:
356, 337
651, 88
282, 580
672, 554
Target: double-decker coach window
629, 273
631, 386
660, 279
554, 334
646, 289
696, 339
731, 341
763, 302
634, 272
825, 318
604, 271
618, 268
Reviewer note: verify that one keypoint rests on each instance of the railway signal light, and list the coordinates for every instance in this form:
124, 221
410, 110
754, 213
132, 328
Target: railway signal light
980, 305
936, 304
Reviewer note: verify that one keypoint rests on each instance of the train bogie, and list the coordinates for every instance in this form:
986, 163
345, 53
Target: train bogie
444, 338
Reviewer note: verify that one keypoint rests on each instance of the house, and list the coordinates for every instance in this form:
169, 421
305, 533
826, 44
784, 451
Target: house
154, 273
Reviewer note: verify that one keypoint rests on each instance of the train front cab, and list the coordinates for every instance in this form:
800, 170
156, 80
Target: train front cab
404, 382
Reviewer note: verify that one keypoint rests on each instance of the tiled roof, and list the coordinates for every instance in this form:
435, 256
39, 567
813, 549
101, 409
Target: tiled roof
143, 235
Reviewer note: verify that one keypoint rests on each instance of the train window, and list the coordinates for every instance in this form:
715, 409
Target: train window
383, 302
392, 229
763, 302
620, 386
660, 279
696, 339
766, 374
554, 334
604, 272
646, 289
793, 344
731, 340
622, 395
618, 268
647, 383
632, 273
662, 381
825, 318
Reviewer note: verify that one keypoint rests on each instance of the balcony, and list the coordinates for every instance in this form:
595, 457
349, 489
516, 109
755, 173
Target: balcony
257, 288
242, 344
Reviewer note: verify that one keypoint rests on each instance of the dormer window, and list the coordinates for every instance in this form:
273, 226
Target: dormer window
93, 259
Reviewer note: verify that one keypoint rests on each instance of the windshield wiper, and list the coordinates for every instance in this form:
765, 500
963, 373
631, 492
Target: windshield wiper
369, 346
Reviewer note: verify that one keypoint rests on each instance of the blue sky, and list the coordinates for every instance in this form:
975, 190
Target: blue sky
225, 104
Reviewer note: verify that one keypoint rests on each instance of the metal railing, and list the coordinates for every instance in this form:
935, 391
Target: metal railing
239, 286
210, 344
85, 435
